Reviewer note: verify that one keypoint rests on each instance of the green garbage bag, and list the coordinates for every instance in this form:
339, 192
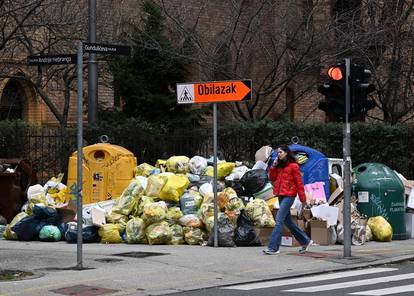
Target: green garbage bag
50, 233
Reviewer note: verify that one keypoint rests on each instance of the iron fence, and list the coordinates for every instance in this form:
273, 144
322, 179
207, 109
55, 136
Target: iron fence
49, 149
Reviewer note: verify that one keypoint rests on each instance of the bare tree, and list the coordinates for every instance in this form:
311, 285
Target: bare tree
276, 42
380, 35
46, 27
15, 14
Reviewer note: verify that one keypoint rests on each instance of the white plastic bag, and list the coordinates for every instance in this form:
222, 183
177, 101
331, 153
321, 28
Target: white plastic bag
197, 165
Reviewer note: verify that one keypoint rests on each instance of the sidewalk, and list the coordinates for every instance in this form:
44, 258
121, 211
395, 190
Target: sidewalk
175, 268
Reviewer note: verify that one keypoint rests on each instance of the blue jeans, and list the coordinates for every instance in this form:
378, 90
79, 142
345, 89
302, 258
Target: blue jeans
283, 217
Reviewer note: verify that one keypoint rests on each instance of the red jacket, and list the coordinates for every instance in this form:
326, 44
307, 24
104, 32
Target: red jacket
287, 181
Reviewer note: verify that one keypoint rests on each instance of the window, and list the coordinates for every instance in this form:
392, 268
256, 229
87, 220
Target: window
11, 102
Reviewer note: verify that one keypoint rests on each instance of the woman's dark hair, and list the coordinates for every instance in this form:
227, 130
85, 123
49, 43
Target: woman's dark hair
290, 157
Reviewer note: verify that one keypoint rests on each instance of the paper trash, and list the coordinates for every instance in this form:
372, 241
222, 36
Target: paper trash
327, 213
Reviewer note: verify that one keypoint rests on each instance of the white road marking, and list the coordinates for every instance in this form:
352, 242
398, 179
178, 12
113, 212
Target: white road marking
352, 284
386, 291
310, 279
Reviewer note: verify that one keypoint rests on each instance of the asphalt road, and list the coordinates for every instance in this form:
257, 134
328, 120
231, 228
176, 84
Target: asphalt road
395, 279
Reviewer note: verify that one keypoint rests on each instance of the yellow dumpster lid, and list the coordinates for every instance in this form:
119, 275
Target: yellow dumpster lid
109, 148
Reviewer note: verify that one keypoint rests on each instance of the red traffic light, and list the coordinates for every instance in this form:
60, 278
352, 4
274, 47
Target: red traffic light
335, 73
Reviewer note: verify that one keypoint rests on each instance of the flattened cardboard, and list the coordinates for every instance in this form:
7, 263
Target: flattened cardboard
67, 211
98, 216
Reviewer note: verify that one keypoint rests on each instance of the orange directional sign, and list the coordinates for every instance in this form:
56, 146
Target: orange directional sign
214, 92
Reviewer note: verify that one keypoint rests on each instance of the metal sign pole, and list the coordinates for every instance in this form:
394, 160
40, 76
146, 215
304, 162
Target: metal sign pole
215, 174
80, 154
347, 160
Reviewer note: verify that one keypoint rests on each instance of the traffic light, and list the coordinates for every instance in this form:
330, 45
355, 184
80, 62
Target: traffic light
334, 91
360, 89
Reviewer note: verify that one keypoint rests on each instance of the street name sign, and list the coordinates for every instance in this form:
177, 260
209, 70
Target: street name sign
214, 91
62, 59
107, 48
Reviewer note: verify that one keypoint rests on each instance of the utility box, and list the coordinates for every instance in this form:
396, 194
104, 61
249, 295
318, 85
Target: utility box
107, 171
381, 193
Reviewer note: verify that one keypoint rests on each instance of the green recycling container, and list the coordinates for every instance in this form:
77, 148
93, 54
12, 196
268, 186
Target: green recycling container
380, 192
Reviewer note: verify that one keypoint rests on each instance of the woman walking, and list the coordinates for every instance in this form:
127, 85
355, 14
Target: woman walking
287, 183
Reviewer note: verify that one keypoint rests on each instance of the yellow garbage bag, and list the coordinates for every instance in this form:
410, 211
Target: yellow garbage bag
174, 188
194, 236
135, 231
159, 233
206, 211
154, 212
125, 203
235, 204
198, 198
177, 235
8, 232
38, 199
173, 215
118, 219
161, 163
380, 228
178, 164
259, 212
155, 184
144, 169
231, 192
109, 234
223, 170
222, 199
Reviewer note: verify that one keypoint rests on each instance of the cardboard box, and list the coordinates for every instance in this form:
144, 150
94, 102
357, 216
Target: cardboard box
320, 233
289, 241
409, 224
264, 234
67, 211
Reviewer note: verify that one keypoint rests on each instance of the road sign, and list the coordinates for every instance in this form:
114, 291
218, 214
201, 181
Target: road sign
62, 59
107, 48
214, 92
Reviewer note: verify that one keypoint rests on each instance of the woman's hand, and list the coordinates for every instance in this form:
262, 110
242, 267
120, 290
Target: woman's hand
275, 162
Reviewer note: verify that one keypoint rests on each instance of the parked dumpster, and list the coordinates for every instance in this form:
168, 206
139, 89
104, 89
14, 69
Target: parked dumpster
107, 171
381, 193
16, 175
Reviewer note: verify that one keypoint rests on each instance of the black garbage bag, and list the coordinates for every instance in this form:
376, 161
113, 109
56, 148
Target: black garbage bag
245, 235
254, 180
47, 214
237, 186
28, 228
225, 232
63, 227
89, 234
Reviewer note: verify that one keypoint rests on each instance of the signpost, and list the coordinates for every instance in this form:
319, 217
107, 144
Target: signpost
214, 92
65, 59
44, 60
95, 48
106, 48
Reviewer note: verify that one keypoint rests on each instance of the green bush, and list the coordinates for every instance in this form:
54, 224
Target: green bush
49, 150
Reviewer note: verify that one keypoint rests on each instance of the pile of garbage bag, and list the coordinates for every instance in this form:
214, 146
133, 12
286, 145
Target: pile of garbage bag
171, 202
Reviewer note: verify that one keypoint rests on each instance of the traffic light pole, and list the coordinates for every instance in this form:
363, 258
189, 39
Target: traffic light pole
347, 163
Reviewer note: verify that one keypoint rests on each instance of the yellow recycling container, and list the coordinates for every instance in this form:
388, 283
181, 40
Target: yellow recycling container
107, 171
